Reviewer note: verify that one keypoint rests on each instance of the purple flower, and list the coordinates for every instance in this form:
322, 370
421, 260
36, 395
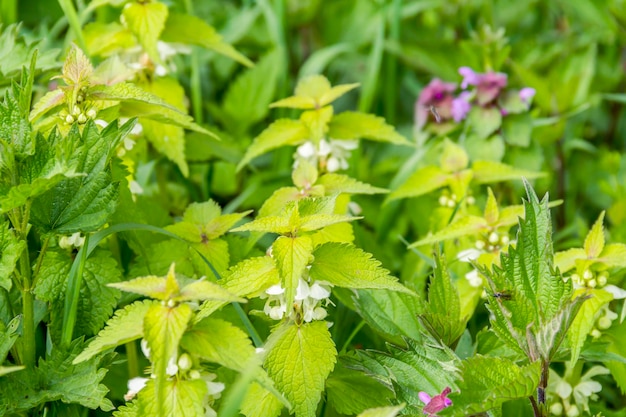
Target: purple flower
469, 77
437, 94
461, 106
489, 87
437, 403
526, 94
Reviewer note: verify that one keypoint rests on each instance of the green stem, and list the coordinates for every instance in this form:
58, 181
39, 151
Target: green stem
28, 310
391, 67
132, 358
42, 252
356, 330
74, 22
72, 296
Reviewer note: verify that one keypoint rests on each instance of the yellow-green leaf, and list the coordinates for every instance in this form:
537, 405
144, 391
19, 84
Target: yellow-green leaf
146, 21
77, 68
453, 157
292, 255
585, 319
594, 242
491, 208
486, 172
421, 182
356, 125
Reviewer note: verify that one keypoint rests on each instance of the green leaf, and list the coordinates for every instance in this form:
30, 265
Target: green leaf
10, 251
464, 226
345, 265
46, 103
280, 133
84, 203
487, 382
486, 172
96, 302
202, 221
259, 402
299, 359
268, 224
250, 277
202, 290
181, 28
14, 126
168, 139
566, 260
350, 391
160, 288
517, 129
355, 125
220, 342
421, 182
453, 157
146, 21
391, 411
56, 378
77, 68
8, 336
136, 102
314, 92
184, 398
443, 297
164, 326
8, 369
339, 183
594, 242
105, 39
485, 121
304, 175
292, 255
125, 326
584, 321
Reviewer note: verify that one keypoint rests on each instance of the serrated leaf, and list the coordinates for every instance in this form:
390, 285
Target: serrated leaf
220, 342
345, 265
391, 411
146, 21
280, 133
160, 288
77, 68
614, 254
356, 125
339, 183
10, 251
259, 402
486, 172
491, 208
46, 103
204, 290
318, 221
268, 224
292, 255
304, 175
443, 297
465, 226
392, 314
164, 326
594, 242
299, 359
421, 182
251, 276
181, 28
125, 326
136, 102
487, 382
181, 398
338, 232
584, 321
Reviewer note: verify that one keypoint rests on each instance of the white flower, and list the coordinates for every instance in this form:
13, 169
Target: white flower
73, 241
308, 301
468, 255
618, 293
474, 278
333, 154
134, 386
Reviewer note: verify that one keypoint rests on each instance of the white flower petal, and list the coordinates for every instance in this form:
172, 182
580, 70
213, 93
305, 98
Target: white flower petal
318, 292
563, 389
136, 384
275, 290
324, 148
468, 255
306, 150
303, 290
618, 293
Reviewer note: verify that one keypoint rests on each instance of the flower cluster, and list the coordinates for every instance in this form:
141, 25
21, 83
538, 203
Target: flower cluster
571, 401
484, 90
492, 244
330, 155
433, 405
310, 301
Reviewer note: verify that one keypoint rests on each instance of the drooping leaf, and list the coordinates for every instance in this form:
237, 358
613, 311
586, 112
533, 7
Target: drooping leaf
299, 359
345, 265
181, 397
355, 125
180, 28
280, 133
292, 255
125, 326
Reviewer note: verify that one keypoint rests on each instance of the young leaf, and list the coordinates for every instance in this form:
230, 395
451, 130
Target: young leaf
280, 133
463, 226
292, 255
180, 28
146, 21
584, 321
220, 342
487, 382
10, 250
8, 336
314, 92
355, 125
124, 327
299, 359
594, 242
181, 397
345, 265
339, 183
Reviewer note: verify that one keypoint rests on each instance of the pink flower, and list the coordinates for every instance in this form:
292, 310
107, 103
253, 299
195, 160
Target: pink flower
469, 77
461, 106
526, 94
436, 403
437, 94
488, 86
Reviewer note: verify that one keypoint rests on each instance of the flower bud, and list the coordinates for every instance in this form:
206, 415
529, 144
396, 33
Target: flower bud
592, 283
480, 244
184, 362
82, 119
602, 280
470, 200
595, 333
573, 411
587, 274
494, 237
171, 303
75, 111
556, 409
91, 113
194, 374
443, 200
604, 323
69, 119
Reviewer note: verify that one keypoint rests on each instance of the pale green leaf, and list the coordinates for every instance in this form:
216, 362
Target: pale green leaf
491, 208
338, 232
181, 28
46, 103
205, 290
8, 336
280, 133
485, 121
318, 221
487, 382
355, 125
304, 174
345, 265
594, 242
566, 260
105, 39
584, 321
510, 215
269, 224
292, 255
250, 277
259, 402
221, 342
10, 251
486, 172
299, 359
181, 398
422, 181
391, 411
339, 183
453, 157
275, 204
316, 121
8, 369
77, 69
465, 226
160, 288
125, 326
614, 254
146, 21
